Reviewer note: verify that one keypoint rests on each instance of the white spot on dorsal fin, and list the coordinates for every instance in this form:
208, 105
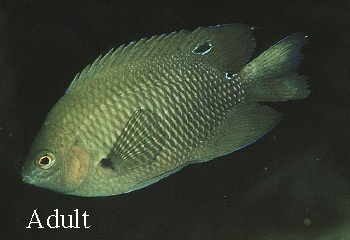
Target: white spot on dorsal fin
229, 76
202, 48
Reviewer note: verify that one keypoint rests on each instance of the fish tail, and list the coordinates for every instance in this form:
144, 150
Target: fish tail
272, 76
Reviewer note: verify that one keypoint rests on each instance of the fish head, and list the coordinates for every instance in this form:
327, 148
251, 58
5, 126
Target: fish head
42, 168
56, 160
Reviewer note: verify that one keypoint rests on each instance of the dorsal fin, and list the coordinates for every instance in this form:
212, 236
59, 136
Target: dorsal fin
226, 47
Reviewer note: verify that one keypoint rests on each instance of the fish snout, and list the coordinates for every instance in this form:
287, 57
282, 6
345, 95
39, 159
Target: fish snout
27, 179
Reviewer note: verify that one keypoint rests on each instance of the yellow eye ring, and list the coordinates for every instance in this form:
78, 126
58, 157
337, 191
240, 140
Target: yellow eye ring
46, 161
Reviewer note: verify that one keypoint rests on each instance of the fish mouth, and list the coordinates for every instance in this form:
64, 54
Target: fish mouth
28, 180
27, 176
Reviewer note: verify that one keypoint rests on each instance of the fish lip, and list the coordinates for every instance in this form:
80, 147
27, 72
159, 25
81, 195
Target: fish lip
28, 179
27, 176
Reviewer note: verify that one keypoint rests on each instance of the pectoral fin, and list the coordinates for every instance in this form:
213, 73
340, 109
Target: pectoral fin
140, 142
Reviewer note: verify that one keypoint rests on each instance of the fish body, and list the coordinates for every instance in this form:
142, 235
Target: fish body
149, 108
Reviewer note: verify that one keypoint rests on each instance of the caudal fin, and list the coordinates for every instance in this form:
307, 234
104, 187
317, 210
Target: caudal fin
272, 76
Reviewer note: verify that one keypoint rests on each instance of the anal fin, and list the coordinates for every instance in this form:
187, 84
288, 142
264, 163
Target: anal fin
243, 126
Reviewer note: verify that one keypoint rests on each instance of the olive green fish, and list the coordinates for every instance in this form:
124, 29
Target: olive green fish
151, 107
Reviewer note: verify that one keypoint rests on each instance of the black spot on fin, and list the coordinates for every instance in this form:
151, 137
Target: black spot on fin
203, 48
139, 143
232, 45
106, 163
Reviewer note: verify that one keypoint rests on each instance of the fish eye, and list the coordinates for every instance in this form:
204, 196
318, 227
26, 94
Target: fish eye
45, 161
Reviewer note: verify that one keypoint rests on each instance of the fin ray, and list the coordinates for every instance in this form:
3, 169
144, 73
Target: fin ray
139, 143
272, 75
232, 44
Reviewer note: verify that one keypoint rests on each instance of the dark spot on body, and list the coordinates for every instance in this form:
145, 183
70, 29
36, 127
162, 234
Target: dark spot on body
106, 163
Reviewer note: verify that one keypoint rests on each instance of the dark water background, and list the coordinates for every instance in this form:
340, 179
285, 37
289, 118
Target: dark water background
294, 183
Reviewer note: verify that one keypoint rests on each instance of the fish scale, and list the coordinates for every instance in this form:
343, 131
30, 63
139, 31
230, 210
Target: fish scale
185, 130
149, 108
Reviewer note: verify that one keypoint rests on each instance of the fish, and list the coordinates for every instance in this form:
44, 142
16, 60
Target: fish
147, 109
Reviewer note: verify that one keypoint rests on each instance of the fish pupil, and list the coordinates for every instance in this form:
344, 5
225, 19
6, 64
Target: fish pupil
106, 163
44, 161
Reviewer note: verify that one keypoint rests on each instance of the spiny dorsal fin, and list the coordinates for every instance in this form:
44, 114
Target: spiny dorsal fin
139, 142
224, 46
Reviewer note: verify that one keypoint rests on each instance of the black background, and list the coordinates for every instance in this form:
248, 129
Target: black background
297, 174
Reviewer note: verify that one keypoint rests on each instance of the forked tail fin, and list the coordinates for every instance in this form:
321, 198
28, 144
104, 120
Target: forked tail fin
272, 76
